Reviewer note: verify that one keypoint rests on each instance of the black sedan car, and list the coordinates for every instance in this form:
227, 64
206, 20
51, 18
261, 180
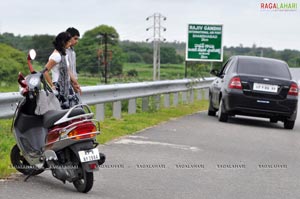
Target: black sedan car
254, 86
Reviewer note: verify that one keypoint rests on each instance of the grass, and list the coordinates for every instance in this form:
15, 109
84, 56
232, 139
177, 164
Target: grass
9, 88
145, 73
6, 143
110, 128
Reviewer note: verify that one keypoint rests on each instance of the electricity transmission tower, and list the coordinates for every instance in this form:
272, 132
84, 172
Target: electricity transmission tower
157, 27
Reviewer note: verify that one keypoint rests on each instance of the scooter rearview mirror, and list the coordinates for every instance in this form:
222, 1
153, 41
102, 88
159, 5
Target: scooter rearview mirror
31, 54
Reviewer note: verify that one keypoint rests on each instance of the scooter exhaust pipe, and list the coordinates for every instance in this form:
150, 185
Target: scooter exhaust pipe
58, 171
102, 159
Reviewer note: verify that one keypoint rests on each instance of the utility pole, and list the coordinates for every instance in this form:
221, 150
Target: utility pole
157, 27
105, 37
105, 57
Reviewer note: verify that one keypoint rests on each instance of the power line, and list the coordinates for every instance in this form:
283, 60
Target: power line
128, 32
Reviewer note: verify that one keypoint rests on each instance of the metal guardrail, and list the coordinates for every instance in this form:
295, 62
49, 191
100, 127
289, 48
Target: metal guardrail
99, 95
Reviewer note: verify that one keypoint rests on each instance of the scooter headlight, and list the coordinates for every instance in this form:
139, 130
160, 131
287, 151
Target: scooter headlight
34, 81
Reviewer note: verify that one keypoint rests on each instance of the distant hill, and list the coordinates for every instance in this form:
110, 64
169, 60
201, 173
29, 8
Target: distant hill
292, 57
11, 62
44, 45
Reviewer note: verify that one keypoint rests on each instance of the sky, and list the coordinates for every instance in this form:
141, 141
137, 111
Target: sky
244, 22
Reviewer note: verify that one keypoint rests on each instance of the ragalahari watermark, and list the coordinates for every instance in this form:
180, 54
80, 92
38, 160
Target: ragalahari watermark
278, 6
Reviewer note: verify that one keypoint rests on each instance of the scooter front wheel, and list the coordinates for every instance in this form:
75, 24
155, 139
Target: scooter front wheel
86, 181
19, 162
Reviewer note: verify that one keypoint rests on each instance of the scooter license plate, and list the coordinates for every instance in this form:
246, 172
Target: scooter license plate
89, 155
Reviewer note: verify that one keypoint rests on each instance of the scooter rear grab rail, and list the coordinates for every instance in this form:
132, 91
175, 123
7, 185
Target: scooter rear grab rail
66, 117
69, 128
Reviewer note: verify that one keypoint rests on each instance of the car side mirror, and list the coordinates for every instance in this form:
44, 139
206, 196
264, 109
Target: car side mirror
214, 72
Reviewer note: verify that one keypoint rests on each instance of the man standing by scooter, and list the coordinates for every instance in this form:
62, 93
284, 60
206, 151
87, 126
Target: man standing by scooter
73, 74
72, 60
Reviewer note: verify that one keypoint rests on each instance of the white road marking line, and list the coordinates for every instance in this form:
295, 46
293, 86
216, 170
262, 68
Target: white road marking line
141, 142
137, 137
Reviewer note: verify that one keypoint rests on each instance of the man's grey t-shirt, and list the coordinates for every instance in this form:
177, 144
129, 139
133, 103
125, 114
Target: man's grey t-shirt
72, 61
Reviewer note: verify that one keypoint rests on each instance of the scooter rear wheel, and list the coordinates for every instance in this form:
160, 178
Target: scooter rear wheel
19, 162
85, 183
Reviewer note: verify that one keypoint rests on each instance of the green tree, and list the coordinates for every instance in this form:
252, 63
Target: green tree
168, 55
43, 46
12, 61
137, 50
117, 59
134, 57
23, 43
90, 51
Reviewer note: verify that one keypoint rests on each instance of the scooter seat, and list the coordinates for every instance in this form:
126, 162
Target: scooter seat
54, 115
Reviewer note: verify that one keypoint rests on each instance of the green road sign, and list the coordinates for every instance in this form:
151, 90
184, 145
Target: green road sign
204, 43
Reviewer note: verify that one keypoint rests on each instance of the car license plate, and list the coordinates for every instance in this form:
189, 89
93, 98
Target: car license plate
89, 155
265, 87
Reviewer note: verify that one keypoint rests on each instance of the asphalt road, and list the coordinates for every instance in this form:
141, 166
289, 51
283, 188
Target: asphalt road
191, 157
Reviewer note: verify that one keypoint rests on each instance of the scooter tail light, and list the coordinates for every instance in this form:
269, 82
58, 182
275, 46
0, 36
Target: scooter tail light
83, 132
52, 137
93, 166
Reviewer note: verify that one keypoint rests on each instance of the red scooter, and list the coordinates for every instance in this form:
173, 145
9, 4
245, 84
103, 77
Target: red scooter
63, 141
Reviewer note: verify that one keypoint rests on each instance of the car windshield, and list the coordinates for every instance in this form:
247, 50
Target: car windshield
263, 67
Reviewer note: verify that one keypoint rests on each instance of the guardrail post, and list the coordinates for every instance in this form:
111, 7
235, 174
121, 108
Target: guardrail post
206, 94
145, 103
199, 94
175, 99
100, 112
167, 100
191, 97
117, 109
132, 106
156, 101
184, 97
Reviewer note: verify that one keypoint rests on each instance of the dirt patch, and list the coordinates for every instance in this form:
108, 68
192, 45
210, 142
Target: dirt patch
13, 177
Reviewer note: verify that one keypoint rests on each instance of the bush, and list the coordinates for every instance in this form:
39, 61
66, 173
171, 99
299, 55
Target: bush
132, 73
134, 57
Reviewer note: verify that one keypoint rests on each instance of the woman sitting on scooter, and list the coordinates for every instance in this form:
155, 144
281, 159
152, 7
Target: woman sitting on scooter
61, 76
